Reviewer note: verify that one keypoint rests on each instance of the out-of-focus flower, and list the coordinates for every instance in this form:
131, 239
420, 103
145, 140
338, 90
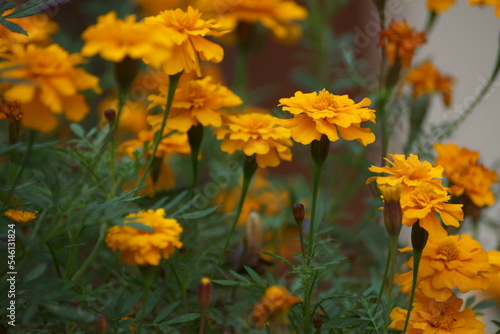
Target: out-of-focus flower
148, 245
20, 216
153, 7
279, 16
407, 171
439, 6
133, 116
51, 84
256, 134
448, 263
114, 39
494, 3
425, 79
493, 274
273, 306
465, 174
172, 142
195, 102
423, 202
10, 110
187, 30
431, 316
400, 42
322, 112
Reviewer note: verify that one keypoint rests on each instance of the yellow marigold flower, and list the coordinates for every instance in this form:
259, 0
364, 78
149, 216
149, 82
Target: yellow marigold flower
448, 263
465, 174
259, 134
279, 16
187, 31
407, 171
51, 84
133, 116
321, 113
20, 216
114, 39
140, 246
172, 142
423, 202
400, 42
494, 274
426, 79
196, 101
431, 316
274, 304
39, 29
439, 6
495, 3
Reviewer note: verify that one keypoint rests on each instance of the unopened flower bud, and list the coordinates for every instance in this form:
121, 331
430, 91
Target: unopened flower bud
317, 321
102, 324
110, 115
298, 213
320, 149
254, 237
393, 215
419, 237
125, 72
205, 289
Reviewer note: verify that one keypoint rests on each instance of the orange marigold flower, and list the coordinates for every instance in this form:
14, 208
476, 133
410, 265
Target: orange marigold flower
426, 79
274, 305
431, 316
20, 216
494, 274
439, 6
400, 42
172, 142
51, 84
494, 3
10, 110
259, 134
322, 112
279, 16
196, 101
187, 31
407, 171
455, 261
114, 39
423, 202
157, 239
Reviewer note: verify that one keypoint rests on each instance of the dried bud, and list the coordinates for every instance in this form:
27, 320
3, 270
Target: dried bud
110, 115
298, 213
317, 321
419, 237
205, 289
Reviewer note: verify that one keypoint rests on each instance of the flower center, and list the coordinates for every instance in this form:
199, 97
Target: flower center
449, 250
441, 318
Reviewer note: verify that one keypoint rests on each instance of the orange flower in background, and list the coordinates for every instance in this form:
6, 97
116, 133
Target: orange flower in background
196, 101
494, 3
274, 304
133, 116
423, 202
322, 112
493, 274
148, 245
10, 110
278, 16
259, 134
187, 30
407, 171
465, 174
114, 39
426, 79
431, 317
20, 216
439, 6
455, 261
172, 142
50, 84
400, 42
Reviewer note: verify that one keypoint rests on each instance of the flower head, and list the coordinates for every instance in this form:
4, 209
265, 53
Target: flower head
114, 39
494, 274
275, 303
426, 79
424, 202
51, 84
455, 261
20, 216
439, 6
195, 102
278, 16
431, 316
322, 112
259, 134
400, 42
407, 171
145, 246
187, 31
494, 3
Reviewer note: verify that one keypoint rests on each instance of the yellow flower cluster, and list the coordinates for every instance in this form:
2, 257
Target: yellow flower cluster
274, 304
426, 79
467, 177
148, 245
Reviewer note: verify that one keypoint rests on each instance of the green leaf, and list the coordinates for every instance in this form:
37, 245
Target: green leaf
36, 272
228, 283
254, 276
240, 277
13, 26
140, 226
197, 214
280, 258
164, 312
485, 304
33, 7
341, 323
77, 130
183, 318
470, 301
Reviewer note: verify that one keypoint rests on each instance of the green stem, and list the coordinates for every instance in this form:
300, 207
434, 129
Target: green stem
417, 255
392, 269
249, 168
148, 274
54, 258
386, 271
203, 317
431, 20
309, 288
318, 166
195, 137
173, 81
92, 255
181, 287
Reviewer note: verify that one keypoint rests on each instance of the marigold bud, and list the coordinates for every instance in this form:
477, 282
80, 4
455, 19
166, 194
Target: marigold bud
317, 321
205, 289
393, 215
298, 213
320, 149
102, 324
254, 237
110, 115
125, 72
419, 237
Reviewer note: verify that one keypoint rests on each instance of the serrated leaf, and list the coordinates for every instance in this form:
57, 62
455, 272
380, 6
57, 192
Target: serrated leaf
77, 130
470, 301
279, 258
13, 26
226, 282
197, 214
7, 5
341, 323
240, 277
33, 7
140, 226
485, 304
164, 312
172, 203
254, 276
183, 318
